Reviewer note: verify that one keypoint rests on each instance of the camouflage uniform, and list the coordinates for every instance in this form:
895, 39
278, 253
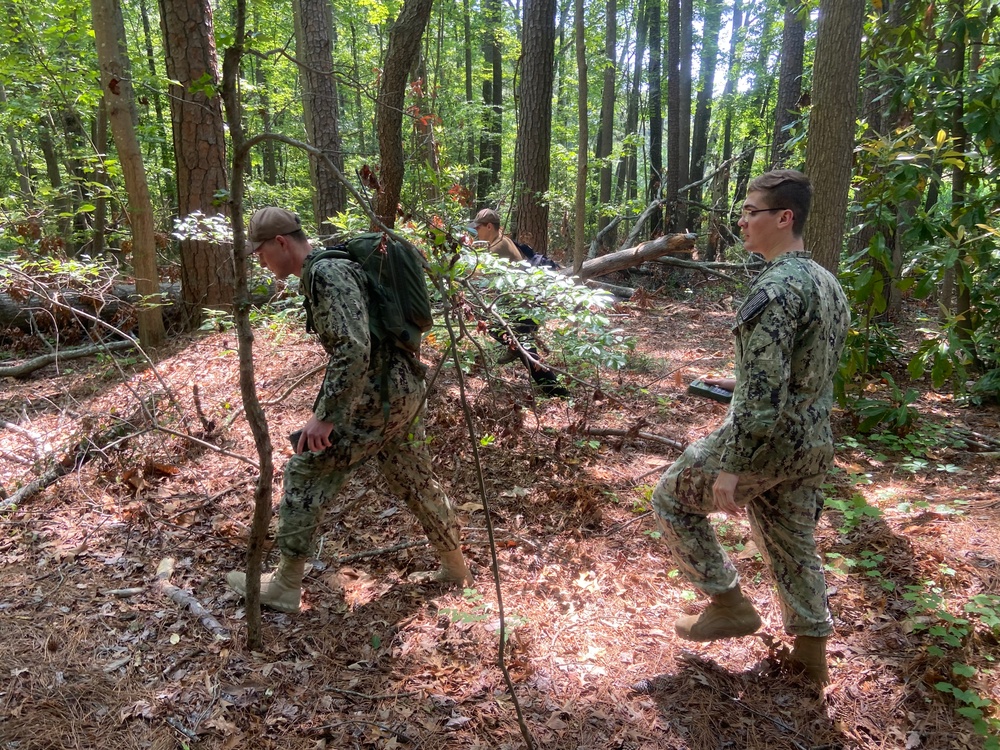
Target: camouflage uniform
350, 398
789, 334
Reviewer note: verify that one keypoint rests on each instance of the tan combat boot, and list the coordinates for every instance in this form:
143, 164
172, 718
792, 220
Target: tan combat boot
453, 570
809, 656
730, 615
453, 567
280, 590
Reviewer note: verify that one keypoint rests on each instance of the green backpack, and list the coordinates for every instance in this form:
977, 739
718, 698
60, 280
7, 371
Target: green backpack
399, 308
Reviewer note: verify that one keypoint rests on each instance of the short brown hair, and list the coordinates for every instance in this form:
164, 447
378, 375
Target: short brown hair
786, 188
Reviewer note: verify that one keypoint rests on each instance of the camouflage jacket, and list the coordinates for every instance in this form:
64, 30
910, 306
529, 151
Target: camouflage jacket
349, 396
790, 333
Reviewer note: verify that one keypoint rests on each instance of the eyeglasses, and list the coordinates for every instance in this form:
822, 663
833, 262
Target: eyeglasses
746, 213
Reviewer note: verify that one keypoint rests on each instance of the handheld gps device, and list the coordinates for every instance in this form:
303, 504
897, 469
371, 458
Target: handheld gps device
714, 392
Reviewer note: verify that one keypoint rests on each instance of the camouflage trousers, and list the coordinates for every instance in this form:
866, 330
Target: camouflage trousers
313, 479
783, 513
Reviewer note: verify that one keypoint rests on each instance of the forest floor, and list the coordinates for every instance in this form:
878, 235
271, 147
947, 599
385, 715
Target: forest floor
93, 654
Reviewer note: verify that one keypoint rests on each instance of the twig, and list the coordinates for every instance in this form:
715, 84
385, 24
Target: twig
196, 397
615, 432
163, 572
382, 551
651, 471
206, 444
293, 386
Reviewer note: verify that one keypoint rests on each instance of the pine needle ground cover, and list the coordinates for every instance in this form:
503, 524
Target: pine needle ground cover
96, 652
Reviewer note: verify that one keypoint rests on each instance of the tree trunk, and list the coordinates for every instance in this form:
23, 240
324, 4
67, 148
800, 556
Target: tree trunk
672, 182
269, 148
628, 168
77, 142
965, 325
62, 202
100, 229
606, 133
655, 188
314, 50
169, 189
534, 121
470, 153
684, 125
359, 110
207, 272
404, 46
579, 241
17, 156
116, 84
719, 225
489, 143
248, 388
633, 256
793, 41
829, 151
711, 21
425, 148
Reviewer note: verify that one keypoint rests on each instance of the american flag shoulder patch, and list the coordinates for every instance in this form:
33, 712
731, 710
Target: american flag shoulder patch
753, 306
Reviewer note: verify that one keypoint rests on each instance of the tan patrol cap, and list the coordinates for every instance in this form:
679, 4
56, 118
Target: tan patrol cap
269, 222
486, 216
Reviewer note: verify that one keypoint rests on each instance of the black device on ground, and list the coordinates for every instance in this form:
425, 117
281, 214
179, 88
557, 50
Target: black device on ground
714, 392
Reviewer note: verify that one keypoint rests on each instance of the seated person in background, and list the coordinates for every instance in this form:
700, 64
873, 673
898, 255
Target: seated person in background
487, 228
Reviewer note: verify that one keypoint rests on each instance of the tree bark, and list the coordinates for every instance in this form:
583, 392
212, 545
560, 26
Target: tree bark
829, 151
654, 189
169, 191
20, 164
534, 122
718, 225
489, 141
711, 21
628, 167
684, 126
793, 42
404, 45
314, 35
116, 85
583, 115
207, 272
606, 133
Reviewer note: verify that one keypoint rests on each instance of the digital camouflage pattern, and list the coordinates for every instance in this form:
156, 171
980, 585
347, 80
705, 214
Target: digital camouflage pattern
350, 398
790, 333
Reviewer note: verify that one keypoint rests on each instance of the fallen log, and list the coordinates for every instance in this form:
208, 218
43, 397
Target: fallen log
27, 367
38, 313
633, 256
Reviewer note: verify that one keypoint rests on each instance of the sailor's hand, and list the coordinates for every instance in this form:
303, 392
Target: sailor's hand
724, 492
315, 436
728, 383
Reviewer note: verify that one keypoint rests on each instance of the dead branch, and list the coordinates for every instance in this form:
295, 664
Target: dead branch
80, 453
184, 598
614, 432
27, 367
624, 292
696, 266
